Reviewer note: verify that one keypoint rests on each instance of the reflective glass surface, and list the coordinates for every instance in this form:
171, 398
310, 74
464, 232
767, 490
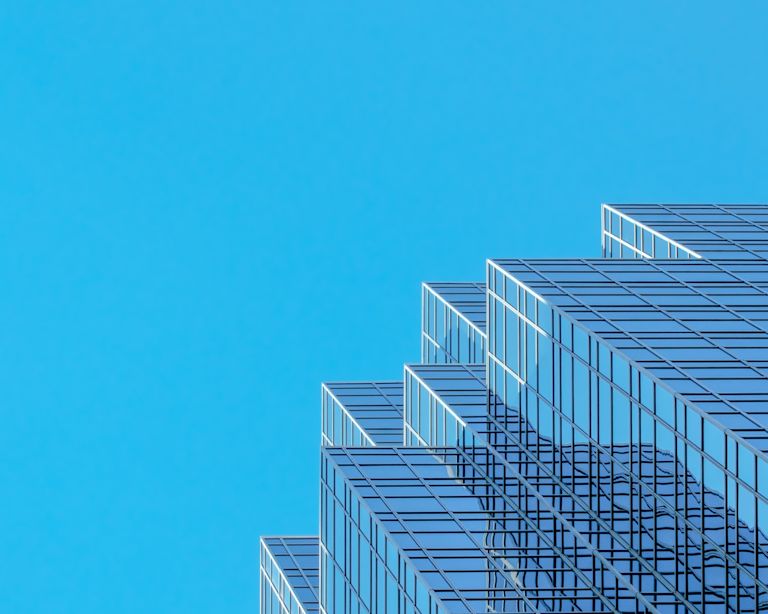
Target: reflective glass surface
685, 231
453, 322
580, 436
290, 576
362, 413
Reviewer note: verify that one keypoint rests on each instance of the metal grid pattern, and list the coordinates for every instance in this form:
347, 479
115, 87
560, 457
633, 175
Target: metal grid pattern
598, 495
587, 436
465, 396
482, 539
558, 354
714, 231
290, 577
362, 413
701, 332
453, 322
363, 569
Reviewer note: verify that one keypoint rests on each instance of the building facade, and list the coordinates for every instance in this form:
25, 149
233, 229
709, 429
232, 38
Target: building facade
582, 435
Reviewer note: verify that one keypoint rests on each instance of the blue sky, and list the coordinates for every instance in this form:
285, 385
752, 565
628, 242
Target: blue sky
207, 208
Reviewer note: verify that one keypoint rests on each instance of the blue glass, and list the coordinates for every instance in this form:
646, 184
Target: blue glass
580, 435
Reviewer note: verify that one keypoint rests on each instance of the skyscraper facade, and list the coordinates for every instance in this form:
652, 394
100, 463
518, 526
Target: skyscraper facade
580, 436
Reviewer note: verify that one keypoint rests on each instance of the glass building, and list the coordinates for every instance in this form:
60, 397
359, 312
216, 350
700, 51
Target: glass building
290, 576
582, 435
362, 414
453, 322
